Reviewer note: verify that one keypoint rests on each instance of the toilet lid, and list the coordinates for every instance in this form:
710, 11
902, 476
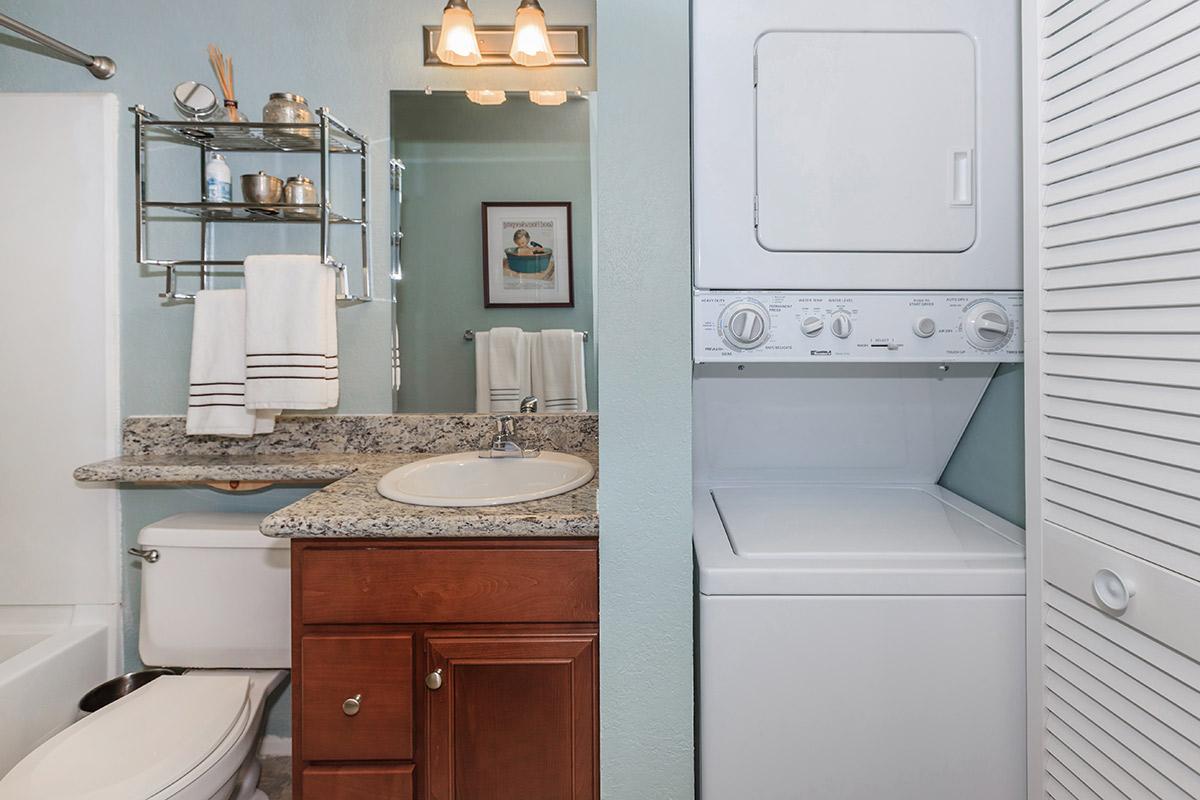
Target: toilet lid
137, 746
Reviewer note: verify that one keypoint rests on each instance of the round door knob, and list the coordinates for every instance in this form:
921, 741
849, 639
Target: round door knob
987, 325
745, 325
812, 326
434, 679
924, 327
841, 325
1113, 592
352, 705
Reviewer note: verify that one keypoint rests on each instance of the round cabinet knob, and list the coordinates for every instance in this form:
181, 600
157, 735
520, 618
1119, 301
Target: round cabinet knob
1113, 592
434, 679
987, 325
745, 325
924, 327
812, 326
841, 325
352, 705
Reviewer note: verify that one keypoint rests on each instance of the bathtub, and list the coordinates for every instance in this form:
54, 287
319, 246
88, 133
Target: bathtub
49, 657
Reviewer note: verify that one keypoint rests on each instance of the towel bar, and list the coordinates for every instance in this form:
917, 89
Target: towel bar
469, 335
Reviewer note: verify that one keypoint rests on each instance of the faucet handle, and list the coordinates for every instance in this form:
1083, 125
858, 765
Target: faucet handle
506, 425
529, 405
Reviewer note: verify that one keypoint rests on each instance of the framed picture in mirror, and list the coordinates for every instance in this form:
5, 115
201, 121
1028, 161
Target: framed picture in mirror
527, 255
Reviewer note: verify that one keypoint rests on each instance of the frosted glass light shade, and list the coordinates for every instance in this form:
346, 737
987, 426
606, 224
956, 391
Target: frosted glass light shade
531, 42
548, 97
486, 97
457, 44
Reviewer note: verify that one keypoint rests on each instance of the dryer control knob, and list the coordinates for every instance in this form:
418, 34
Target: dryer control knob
841, 325
812, 326
924, 327
744, 325
987, 325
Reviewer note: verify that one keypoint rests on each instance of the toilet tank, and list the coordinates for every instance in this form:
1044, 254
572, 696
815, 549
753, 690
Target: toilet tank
217, 595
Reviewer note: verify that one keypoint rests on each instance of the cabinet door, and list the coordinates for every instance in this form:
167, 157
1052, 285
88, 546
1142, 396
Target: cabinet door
1113, 386
514, 717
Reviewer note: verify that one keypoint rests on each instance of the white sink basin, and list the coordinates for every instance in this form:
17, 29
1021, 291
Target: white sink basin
465, 479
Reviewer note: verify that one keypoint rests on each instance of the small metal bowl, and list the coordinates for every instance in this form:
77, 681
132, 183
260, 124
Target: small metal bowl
112, 690
262, 188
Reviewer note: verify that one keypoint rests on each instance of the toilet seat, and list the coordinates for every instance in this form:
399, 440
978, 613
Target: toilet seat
141, 747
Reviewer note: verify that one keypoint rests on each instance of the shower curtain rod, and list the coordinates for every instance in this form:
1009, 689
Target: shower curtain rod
102, 67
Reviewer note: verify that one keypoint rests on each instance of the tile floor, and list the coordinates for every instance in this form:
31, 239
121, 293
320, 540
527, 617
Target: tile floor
276, 778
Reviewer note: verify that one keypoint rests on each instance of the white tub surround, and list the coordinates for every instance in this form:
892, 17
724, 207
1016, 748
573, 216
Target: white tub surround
59, 577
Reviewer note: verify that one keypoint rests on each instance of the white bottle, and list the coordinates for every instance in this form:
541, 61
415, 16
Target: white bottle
218, 182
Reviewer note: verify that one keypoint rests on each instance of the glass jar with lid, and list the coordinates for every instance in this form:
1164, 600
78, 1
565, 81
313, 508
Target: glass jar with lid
288, 107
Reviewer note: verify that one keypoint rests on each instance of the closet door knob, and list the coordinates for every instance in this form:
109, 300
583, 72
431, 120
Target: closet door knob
1113, 591
434, 679
351, 705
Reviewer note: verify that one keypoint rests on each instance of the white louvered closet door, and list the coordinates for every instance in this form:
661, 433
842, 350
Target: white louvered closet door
1112, 177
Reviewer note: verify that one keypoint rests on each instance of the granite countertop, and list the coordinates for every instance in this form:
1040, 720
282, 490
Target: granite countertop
351, 507
345, 452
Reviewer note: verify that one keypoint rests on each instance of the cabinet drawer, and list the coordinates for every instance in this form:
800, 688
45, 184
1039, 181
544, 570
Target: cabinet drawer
372, 673
359, 585
357, 783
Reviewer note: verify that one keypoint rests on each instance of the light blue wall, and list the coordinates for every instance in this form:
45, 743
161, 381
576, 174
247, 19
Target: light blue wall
347, 56
458, 154
644, 198
988, 467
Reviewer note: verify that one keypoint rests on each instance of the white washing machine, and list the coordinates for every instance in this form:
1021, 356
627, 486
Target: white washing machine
861, 629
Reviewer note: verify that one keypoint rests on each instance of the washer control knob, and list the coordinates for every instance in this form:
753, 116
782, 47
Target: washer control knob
924, 327
812, 326
745, 325
987, 325
841, 325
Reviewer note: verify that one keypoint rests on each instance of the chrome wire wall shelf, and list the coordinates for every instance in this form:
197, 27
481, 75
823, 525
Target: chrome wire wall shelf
326, 137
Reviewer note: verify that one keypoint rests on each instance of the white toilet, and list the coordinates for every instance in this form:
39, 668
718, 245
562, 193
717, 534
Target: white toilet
216, 598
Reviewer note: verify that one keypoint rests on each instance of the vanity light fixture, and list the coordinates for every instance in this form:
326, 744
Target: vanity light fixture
531, 40
544, 97
457, 44
486, 97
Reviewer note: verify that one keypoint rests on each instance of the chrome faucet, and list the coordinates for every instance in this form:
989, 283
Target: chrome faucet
529, 405
504, 442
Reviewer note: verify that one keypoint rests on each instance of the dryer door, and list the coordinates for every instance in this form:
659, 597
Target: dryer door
865, 141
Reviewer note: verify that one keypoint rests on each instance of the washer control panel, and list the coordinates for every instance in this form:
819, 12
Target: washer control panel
856, 326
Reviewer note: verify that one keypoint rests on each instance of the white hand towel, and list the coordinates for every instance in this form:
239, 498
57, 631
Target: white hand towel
291, 333
217, 391
563, 387
509, 379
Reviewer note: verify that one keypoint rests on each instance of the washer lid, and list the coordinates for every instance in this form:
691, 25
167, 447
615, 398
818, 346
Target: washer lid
137, 746
880, 523
852, 539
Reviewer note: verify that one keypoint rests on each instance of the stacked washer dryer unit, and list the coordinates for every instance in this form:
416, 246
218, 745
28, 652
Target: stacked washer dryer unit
857, 281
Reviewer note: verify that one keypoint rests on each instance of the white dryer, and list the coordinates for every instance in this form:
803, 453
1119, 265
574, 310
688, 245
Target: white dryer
856, 144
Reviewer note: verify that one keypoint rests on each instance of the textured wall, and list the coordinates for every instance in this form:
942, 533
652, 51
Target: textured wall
458, 154
645, 391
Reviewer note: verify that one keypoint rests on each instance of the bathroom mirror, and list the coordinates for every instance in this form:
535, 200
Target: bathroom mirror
495, 207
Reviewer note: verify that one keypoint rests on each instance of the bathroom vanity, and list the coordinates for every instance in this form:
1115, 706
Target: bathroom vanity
452, 665
437, 653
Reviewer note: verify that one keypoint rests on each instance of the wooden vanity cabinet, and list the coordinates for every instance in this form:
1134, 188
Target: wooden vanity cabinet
451, 669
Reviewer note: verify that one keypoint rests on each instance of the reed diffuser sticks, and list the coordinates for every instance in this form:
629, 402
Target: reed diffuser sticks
223, 67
